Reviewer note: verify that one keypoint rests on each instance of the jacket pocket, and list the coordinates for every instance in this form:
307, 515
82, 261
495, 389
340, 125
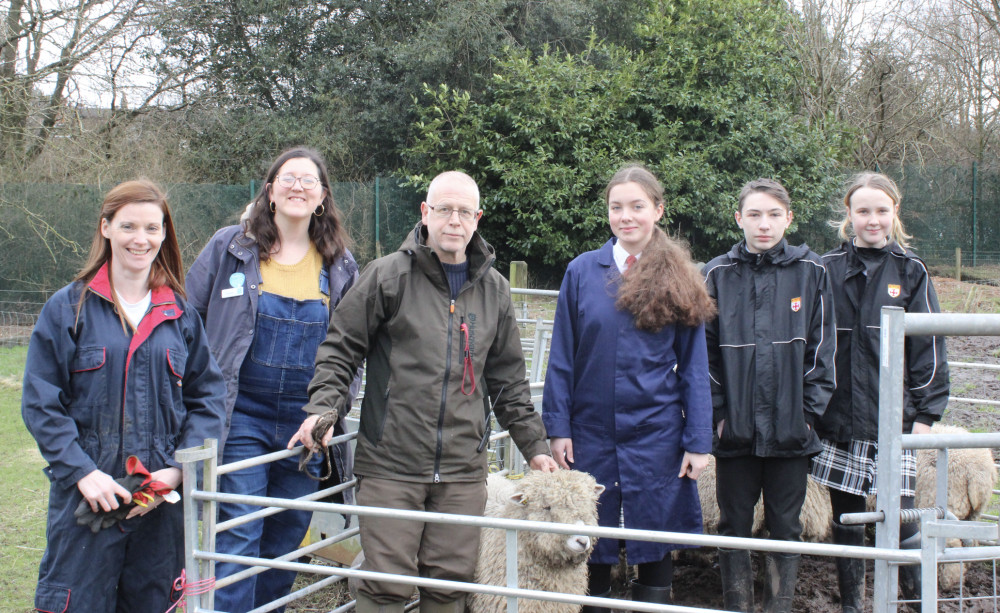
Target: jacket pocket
88, 359
89, 380
51, 598
176, 364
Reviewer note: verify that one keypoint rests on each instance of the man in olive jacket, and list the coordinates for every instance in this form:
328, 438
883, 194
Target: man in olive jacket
435, 322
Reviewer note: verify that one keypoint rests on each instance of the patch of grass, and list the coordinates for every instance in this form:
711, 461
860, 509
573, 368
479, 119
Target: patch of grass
962, 297
23, 491
963, 389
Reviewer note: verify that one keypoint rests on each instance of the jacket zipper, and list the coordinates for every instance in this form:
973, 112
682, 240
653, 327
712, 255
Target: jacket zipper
444, 397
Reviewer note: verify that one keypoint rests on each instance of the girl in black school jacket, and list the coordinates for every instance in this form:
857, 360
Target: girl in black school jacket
871, 269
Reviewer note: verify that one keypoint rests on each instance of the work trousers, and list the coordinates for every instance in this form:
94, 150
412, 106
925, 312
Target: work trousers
740, 482
404, 547
129, 567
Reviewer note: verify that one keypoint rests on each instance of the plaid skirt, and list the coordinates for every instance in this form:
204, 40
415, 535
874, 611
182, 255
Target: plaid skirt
850, 467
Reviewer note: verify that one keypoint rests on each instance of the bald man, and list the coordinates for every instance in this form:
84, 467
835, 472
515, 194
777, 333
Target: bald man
436, 325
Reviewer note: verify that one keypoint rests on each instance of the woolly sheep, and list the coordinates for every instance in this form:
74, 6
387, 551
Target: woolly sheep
972, 474
546, 561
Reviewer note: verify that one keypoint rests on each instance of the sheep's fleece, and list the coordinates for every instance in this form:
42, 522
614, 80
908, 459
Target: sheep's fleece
551, 562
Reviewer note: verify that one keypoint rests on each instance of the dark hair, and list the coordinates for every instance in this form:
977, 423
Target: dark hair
326, 229
664, 287
873, 180
765, 186
167, 268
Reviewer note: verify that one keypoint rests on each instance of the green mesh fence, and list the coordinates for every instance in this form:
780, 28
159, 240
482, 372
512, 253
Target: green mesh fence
46, 229
944, 208
949, 208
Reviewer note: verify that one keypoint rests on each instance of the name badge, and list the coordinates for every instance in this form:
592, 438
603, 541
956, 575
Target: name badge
236, 281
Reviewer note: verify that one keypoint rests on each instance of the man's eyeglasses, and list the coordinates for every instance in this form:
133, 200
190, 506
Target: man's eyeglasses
306, 181
444, 212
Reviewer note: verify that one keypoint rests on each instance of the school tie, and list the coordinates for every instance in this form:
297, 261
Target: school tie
628, 262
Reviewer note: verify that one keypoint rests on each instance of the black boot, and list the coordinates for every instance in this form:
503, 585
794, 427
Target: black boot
737, 579
590, 609
909, 575
850, 571
781, 572
650, 593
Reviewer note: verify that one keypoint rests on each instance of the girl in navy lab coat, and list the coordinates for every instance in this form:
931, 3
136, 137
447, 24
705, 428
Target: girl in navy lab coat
627, 396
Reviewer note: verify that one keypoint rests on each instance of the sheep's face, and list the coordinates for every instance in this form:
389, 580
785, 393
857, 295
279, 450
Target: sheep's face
564, 497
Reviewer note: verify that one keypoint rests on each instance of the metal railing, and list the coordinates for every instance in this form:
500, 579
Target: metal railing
200, 560
201, 554
896, 324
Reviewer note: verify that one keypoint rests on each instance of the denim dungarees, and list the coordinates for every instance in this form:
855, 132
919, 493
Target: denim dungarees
272, 391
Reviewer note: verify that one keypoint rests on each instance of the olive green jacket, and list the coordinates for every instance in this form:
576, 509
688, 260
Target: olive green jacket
430, 364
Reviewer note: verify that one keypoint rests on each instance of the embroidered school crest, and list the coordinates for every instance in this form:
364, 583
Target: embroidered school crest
797, 303
894, 291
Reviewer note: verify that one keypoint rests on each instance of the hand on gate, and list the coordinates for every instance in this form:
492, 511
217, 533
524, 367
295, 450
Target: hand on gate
304, 433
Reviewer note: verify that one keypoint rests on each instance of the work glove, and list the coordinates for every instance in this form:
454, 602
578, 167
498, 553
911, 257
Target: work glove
139, 482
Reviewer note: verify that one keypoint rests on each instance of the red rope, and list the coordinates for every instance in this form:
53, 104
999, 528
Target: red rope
189, 589
467, 370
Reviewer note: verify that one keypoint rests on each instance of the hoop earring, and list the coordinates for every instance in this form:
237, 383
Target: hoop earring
320, 210
272, 206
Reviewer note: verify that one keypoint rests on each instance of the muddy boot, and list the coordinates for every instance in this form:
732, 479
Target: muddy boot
780, 573
909, 575
429, 605
737, 579
850, 571
590, 609
364, 604
650, 593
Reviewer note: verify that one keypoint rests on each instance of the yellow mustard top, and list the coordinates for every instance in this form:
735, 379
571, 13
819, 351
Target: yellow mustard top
299, 281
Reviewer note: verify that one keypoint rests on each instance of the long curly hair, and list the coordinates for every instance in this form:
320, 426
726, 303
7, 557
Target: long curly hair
664, 286
326, 230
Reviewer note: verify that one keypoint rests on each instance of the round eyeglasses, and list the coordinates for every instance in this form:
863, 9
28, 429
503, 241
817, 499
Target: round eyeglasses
306, 181
444, 212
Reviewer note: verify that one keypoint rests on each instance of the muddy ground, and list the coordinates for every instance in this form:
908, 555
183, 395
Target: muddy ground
696, 580
697, 584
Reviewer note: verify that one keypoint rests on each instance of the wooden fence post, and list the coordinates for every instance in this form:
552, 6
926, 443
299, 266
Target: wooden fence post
958, 263
519, 274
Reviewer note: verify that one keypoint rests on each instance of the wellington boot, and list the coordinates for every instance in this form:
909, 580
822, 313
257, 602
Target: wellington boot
589, 609
850, 571
781, 570
650, 593
429, 605
909, 576
365, 604
737, 579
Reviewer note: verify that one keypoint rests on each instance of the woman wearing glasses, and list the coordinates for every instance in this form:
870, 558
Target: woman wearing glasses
266, 290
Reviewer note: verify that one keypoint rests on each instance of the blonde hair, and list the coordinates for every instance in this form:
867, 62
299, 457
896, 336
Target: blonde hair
873, 180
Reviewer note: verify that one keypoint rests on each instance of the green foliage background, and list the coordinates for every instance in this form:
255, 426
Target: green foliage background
704, 100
